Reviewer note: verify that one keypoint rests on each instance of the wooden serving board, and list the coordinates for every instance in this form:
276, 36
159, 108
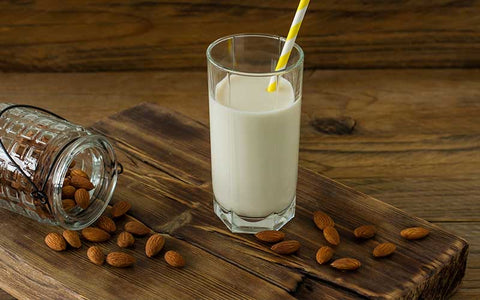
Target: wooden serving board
166, 157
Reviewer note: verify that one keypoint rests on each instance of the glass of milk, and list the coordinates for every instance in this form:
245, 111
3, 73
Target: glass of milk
254, 133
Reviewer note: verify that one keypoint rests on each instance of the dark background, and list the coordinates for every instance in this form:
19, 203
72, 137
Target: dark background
86, 35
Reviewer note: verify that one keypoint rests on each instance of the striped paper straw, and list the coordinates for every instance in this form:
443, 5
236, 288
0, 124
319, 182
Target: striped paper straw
287, 47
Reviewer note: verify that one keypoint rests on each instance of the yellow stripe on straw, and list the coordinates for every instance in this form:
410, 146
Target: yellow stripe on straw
292, 33
289, 42
303, 4
282, 62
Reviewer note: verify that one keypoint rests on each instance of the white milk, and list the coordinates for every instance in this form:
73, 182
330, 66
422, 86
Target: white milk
254, 142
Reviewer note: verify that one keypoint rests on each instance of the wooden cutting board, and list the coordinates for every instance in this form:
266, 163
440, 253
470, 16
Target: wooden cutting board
166, 157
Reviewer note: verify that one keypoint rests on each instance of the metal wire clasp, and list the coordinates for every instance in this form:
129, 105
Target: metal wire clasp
39, 195
119, 168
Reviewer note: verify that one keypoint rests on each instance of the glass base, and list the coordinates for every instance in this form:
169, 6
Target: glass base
241, 224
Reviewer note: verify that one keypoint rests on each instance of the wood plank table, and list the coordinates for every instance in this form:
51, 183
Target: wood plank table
139, 35
414, 143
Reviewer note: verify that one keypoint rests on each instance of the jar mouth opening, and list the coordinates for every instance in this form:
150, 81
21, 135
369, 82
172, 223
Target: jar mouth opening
94, 155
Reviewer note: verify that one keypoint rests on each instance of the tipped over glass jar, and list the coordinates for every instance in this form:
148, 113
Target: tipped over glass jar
38, 152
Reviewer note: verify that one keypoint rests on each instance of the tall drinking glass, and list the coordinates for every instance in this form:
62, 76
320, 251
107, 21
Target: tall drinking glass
254, 133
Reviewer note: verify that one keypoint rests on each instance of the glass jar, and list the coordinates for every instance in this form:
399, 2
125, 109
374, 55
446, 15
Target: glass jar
38, 149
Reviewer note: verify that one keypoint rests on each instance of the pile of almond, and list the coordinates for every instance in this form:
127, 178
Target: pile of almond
75, 189
75, 192
325, 253
103, 231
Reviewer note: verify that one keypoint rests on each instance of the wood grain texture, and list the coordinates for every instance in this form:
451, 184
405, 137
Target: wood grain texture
145, 35
35, 274
436, 185
222, 264
187, 147
415, 142
470, 288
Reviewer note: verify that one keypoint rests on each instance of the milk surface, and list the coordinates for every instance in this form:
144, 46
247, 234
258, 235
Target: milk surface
254, 145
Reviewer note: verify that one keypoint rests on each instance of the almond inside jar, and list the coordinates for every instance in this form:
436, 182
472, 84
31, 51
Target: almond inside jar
83, 184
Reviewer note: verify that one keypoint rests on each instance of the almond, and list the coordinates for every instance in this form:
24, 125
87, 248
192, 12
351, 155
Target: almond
414, 233
78, 172
106, 224
72, 238
68, 191
154, 245
81, 183
120, 259
55, 241
82, 197
270, 236
68, 204
331, 235
174, 259
324, 254
72, 164
322, 220
125, 239
120, 208
365, 231
94, 234
384, 249
346, 264
137, 228
286, 247
96, 255
66, 181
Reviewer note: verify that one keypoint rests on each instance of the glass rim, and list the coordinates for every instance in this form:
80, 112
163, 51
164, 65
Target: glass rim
88, 216
264, 74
